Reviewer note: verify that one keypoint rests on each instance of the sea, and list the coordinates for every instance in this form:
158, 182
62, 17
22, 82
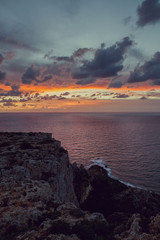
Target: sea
127, 145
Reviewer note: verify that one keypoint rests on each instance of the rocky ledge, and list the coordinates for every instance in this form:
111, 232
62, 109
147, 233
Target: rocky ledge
44, 197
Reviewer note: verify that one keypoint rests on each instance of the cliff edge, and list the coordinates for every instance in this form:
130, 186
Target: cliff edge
44, 197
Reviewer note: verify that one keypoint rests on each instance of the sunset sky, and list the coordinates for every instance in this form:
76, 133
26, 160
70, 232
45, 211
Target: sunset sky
80, 55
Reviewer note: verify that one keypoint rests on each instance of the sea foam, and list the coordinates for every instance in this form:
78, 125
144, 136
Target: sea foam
100, 162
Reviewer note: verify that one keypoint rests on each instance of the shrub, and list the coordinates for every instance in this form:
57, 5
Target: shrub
60, 227
26, 145
78, 213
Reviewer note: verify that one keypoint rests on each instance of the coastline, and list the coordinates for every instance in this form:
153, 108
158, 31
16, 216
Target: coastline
44, 196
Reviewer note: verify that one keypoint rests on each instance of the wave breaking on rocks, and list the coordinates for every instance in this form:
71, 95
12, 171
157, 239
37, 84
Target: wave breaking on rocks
45, 197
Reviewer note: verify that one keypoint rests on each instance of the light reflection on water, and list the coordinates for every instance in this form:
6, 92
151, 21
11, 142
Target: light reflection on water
129, 143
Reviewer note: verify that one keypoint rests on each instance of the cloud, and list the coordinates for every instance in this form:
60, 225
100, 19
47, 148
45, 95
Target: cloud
7, 84
86, 81
121, 96
136, 53
17, 44
81, 52
48, 55
143, 98
2, 76
107, 62
127, 20
1, 59
148, 12
61, 98
63, 58
150, 70
46, 78
9, 104
14, 90
9, 100
32, 73
65, 94
115, 84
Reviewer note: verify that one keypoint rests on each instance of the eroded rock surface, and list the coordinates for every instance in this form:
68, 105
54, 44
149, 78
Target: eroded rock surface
35, 176
44, 197
131, 213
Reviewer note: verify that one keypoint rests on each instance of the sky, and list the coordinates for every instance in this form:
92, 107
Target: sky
80, 55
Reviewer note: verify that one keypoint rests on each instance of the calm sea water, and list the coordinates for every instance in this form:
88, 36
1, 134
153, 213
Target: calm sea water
128, 143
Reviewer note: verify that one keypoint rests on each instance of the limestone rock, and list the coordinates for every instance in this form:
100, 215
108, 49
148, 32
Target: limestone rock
154, 225
35, 175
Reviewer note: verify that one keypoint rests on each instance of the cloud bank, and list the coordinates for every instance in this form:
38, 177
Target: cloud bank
148, 12
107, 62
150, 70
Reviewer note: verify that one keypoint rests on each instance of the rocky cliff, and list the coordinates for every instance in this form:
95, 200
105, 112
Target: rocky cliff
131, 213
44, 197
35, 175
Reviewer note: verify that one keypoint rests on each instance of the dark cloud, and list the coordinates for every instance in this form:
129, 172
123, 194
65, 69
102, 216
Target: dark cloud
1, 59
2, 76
66, 61
149, 71
61, 98
65, 94
127, 20
106, 63
17, 44
14, 91
148, 12
115, 84
46, 78
86, 81
136, 53
55, 69
143, 98
7, 84
156, 82
47, 97
121, 96
36, 95
63, 58
103, 45
58, 81
32, 73
9, 100
81, 52
48, 55
9, 104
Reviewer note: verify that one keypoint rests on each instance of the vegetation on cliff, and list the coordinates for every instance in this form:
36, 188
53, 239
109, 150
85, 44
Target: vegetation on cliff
44, 197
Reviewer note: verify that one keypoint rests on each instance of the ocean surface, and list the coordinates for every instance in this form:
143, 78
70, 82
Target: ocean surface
128, 144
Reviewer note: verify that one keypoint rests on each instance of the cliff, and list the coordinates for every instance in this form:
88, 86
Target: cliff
131, 213
44, 197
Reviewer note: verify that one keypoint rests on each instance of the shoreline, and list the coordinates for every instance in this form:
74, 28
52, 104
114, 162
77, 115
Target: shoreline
99, 162
43, 196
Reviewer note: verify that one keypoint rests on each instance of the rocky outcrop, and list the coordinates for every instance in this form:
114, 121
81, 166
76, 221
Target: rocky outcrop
131, 213
35, 177
44, 197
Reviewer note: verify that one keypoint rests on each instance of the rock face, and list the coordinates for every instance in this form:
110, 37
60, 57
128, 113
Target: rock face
35, 176
131, 213
44, 197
